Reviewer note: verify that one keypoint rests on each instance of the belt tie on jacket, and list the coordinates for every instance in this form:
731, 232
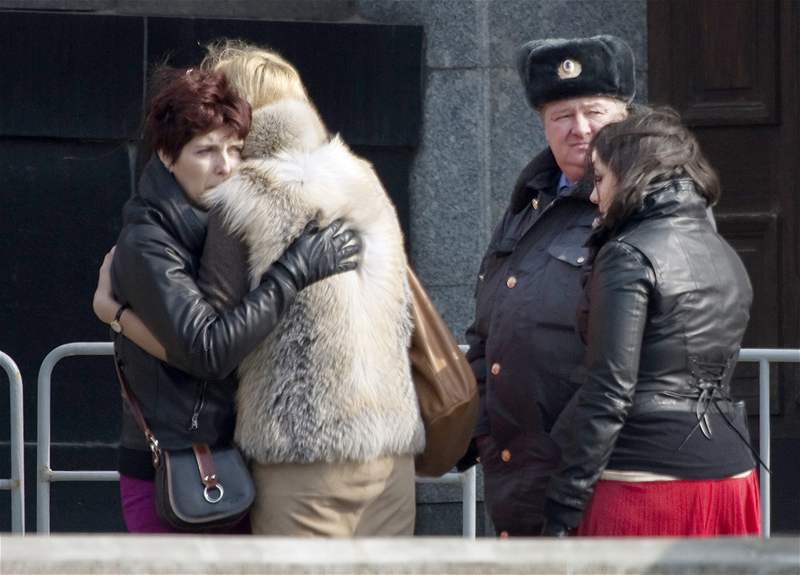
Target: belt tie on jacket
710, 387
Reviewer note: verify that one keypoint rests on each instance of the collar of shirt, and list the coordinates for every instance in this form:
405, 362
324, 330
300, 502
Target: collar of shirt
563, 186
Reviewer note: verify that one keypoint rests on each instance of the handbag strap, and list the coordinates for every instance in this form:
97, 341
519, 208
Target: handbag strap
136, 411
202, 452
208, 472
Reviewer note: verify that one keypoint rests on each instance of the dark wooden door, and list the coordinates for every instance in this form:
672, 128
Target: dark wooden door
732, 68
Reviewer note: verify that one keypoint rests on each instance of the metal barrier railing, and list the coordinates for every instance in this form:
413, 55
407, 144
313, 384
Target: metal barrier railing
45, 475
764, 357
16, 483
467, 480
469, 497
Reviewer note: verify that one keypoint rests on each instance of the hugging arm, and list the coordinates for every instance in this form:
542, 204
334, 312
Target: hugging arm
160, 286
106, 308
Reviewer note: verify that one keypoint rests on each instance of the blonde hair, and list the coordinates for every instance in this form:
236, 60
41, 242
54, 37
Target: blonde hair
259, 75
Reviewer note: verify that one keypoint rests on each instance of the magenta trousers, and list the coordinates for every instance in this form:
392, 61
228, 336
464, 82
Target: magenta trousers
138, 499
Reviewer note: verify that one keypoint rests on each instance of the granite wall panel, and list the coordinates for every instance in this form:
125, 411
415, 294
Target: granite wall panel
72, 77
61, 211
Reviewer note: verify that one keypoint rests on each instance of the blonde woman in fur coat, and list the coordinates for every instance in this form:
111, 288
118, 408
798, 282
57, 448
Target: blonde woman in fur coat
326, 410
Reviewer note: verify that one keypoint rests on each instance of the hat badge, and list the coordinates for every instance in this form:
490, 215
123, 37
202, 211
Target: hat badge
569, 68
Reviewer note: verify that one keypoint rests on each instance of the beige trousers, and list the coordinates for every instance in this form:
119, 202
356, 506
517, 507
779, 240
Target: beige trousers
375, 498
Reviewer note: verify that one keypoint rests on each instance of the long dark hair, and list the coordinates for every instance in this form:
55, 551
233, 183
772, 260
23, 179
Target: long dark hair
648, 147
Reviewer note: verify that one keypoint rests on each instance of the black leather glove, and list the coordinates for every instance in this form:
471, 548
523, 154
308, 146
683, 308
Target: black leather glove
317, 254
560, 520
554, 528
469, 458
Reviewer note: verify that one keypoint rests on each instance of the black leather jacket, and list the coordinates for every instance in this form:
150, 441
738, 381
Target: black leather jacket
154, 270
670, 302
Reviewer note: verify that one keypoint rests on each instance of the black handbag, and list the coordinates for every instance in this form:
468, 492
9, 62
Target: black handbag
200, 488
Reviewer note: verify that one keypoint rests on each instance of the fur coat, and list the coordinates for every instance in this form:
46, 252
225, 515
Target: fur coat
332, 382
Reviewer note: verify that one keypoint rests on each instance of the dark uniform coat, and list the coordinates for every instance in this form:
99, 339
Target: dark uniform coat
523, 343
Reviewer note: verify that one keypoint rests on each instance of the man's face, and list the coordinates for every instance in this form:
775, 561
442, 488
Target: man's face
569, 126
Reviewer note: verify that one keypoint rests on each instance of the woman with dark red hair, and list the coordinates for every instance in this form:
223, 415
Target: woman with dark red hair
196, 124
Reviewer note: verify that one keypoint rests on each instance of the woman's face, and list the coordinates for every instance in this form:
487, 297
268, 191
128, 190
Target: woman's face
605, 185
205, 161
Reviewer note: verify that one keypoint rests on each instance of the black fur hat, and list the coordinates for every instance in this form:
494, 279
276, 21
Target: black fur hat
556, 69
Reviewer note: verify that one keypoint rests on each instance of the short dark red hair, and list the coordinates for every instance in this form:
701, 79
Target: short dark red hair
190, 103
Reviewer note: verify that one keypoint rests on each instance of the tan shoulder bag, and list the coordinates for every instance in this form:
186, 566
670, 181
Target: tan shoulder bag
445, 385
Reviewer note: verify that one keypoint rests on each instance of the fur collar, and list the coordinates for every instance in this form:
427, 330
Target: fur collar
286, 125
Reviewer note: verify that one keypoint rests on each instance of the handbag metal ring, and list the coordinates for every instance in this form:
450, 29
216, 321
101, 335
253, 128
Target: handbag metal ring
211, 499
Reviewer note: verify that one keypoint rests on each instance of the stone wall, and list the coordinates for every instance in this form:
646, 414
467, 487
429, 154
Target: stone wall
478, 131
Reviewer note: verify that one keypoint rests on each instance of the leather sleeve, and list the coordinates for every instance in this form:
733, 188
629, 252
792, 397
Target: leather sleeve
620, 289
223, 273
156, 277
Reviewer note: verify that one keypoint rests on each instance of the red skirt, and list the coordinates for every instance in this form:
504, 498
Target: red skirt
685, 508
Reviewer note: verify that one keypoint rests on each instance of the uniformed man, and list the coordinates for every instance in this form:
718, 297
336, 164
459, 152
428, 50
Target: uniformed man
523, 344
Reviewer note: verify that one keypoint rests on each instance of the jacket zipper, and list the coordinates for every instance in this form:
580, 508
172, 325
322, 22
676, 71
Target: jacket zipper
198, 407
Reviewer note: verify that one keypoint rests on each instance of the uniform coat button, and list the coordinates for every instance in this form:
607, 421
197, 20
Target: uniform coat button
505, 455
495, 368
511, 282
581, 259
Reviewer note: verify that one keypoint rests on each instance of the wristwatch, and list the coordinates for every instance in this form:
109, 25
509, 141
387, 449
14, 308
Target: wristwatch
115, 325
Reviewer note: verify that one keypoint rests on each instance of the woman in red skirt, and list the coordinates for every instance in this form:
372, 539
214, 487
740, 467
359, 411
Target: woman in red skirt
652, 443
